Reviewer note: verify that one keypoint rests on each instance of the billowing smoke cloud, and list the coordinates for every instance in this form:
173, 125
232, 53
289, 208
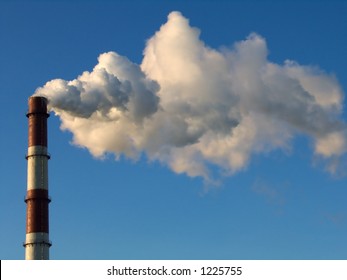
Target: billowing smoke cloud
190, 106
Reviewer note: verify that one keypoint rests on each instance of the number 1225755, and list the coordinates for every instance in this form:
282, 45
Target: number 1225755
223, 270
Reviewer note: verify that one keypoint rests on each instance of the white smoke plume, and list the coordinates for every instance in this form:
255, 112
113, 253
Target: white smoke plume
190, 106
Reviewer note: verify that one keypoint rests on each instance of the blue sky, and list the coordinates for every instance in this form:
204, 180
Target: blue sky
282, 205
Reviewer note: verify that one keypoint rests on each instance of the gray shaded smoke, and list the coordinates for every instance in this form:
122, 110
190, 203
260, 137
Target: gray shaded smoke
190, 106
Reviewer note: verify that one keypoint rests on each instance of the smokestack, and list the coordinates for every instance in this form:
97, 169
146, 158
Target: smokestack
37, 238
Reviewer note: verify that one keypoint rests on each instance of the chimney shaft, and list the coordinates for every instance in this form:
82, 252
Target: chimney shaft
37, 231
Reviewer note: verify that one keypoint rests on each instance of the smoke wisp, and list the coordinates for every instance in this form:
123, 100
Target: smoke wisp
190, 106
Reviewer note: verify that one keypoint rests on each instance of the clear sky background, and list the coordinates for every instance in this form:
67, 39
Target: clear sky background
282, 205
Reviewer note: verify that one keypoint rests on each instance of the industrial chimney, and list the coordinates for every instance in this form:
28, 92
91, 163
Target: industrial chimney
37, 238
